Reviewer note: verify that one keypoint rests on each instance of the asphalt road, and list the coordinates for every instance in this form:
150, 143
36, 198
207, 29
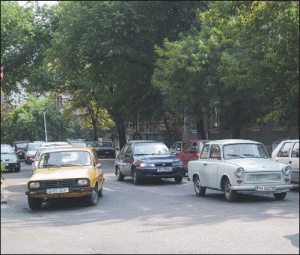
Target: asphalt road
154, 217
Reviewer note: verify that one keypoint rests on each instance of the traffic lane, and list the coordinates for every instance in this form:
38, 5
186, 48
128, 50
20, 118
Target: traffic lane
169, 216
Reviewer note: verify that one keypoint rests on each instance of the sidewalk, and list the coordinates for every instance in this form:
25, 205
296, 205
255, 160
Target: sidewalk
3, 196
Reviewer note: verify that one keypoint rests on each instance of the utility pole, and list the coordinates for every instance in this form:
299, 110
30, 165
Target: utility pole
45, 125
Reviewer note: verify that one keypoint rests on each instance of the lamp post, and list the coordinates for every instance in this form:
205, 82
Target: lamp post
45, 125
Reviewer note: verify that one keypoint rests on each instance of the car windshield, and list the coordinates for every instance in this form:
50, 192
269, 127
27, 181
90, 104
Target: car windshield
150, 148
33, 146
104, 144
6, 150
65, 158
78, 144
21, 145
234, 151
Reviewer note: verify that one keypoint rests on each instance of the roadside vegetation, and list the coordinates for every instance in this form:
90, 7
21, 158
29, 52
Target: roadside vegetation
127, 60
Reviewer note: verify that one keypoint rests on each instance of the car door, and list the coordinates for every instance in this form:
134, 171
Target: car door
214, 160
284, 152
120, 159
294, 162
128, 160
185, 154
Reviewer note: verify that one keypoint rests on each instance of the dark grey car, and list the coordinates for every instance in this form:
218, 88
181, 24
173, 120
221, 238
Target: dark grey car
9, 158
147, 159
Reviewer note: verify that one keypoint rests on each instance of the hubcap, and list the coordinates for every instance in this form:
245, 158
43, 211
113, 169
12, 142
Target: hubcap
197, 185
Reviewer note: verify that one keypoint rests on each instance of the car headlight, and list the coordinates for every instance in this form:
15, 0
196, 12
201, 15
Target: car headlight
83, 182
287, 170
34, 185
239, 172
143, 165
177, 164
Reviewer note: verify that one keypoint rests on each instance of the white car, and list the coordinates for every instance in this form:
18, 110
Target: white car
288, 152
45, 146
236, 165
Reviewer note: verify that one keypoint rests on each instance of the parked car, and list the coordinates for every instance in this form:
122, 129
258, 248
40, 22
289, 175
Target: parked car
177, 147
31, 151
105, 148
45, 146
147, 159
236, 165
191, 151
20, 147
89, 144
288, 152
66, 172
9, 158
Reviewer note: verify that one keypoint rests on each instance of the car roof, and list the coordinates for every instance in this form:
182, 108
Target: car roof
144, 141
53, 149
54, 144
232, 141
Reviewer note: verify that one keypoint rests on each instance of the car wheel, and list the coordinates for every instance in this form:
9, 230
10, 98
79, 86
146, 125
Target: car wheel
178, 179
120, 176
35, 203
230, 195
100, 193
92, 199
280, 196
135, 178
200, 191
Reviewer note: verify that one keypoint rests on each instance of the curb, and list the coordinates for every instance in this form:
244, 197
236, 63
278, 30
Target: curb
3, 197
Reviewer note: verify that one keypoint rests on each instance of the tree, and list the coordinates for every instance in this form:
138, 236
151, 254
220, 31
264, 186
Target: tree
26, 122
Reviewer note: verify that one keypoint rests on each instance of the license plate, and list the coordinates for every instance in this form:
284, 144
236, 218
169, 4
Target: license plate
57, 190
107, 152
164, 169
265, 188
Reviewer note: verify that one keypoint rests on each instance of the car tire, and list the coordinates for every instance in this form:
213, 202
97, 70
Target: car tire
178, 179
35, 203
135, 177
100, 192
200, 191
120, 176
92, 199
230, 195
280, 196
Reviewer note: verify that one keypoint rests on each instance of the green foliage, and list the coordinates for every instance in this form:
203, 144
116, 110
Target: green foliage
3, 171
26, 122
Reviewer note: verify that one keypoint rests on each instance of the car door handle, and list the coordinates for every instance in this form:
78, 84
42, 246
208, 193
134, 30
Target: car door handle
205, 164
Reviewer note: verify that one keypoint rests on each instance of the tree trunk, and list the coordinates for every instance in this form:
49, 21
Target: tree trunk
200, 130
186, 129
121, 132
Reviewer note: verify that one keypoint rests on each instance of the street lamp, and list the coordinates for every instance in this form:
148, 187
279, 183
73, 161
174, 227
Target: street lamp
45, 125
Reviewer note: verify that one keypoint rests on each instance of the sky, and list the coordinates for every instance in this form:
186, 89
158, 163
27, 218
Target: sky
40, 2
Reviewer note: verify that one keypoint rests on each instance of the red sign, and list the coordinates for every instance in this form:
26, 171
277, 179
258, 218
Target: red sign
1, 73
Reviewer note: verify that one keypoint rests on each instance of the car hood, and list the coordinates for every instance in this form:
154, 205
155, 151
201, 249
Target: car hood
8, 157
60, 173
157, 158
254, 164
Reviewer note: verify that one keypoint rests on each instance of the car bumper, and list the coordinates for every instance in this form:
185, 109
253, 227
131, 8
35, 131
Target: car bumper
255, 188
152, 173
12, 166
73, 192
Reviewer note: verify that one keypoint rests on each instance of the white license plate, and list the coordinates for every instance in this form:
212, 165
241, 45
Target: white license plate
164, 169
266, 188
57, 190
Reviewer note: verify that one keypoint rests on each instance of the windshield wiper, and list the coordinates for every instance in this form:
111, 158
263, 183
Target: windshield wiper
233, 155
50, 165
251, 155
71, 165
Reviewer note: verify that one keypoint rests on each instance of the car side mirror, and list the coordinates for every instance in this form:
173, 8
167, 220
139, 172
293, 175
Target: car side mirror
98, 165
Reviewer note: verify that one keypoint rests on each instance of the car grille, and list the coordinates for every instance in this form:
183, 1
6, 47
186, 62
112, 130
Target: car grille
58, 184
262, 177
163, 164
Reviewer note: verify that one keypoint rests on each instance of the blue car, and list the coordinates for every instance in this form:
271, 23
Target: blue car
147, 159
